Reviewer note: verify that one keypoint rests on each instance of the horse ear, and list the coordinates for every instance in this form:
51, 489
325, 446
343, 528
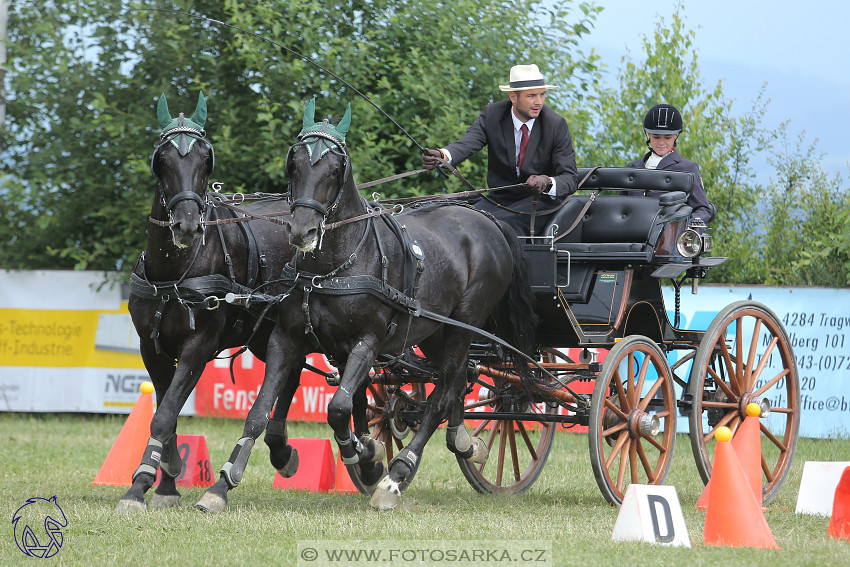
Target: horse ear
310, 113
162, 114
200, 114
345, 123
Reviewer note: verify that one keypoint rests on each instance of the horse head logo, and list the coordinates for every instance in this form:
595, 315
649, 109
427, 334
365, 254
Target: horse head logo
38, 527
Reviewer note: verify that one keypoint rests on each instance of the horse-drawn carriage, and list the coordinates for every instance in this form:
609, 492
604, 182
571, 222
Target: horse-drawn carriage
433, 277
599, 286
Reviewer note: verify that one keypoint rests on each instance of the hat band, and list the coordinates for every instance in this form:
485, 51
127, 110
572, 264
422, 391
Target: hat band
527, 84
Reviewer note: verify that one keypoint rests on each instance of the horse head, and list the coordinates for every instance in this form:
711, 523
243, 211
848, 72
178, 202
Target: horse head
319, 171
182, 168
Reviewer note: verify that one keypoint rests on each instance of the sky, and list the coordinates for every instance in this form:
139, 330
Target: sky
799, 51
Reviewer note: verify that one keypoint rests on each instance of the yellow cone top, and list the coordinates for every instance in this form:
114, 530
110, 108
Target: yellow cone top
146, 388
723, 434
753, 409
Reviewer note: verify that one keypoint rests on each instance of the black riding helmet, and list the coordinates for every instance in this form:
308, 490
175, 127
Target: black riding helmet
663, 119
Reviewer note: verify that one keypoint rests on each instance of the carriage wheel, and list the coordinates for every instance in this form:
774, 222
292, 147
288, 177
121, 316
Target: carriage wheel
518, 448
387, 424
746, 356
632, 427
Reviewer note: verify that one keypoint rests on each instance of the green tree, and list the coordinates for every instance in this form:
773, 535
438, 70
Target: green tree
720, 142
84, 77
806, 240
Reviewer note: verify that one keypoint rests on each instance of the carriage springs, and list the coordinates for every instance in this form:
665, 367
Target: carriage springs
28, 338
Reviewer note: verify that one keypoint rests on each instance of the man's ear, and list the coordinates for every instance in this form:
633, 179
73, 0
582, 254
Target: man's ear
512, 96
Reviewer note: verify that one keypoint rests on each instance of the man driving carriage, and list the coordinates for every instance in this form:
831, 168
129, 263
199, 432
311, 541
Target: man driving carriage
530, 153
662, 126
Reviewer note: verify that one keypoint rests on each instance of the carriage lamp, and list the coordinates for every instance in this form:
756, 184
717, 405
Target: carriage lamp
689, 243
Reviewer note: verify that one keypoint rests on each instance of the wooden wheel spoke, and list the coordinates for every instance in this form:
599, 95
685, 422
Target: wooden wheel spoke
727, 361
375, 421
616, 449
768, 474
618, 382
748, 372
633, 463
739, 352
644, 403
631, 395
764, 358
479, 403
727, 389
615, 409
773, 439
612, 430
514, 455
527, 440
644, 368
769, 384
480, 428
726, 419
652, 441
621, 470
647, 467
500, 463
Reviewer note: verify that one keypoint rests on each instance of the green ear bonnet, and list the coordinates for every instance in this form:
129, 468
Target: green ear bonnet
176, 129
327, 135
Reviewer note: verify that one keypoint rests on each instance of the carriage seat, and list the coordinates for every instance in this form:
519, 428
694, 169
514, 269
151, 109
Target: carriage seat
622, 225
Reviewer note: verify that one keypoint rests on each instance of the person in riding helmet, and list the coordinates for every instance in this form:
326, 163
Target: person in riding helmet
530, 154
662, 125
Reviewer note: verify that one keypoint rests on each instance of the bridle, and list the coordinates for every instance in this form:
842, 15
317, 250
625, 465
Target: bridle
338, 148
184, 147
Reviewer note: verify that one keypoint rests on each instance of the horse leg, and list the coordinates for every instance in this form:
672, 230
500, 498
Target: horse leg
341, 408
371, 462
171, 396
171, 465
284, 457
450, 383
278, 366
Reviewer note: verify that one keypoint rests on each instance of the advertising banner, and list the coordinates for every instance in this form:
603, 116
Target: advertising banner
67, 344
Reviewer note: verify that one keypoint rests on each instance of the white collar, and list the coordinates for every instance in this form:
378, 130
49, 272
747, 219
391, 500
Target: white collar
518, 123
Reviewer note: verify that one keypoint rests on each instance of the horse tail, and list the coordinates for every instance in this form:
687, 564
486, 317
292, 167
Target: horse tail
515, 316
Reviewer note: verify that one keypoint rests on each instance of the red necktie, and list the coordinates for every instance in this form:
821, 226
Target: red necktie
522, 145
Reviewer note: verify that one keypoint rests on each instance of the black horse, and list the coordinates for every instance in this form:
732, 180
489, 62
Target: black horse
178, 290
364, 283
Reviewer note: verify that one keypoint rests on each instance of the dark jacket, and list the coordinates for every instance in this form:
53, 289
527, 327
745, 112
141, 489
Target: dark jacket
550, 149
674, 162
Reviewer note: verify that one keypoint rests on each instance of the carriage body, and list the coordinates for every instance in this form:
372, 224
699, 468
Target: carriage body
598, 269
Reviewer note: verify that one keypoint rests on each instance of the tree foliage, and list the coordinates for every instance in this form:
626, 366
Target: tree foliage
84, 81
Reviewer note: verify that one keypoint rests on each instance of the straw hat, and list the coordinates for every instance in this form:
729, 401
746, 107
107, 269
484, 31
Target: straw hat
524, 77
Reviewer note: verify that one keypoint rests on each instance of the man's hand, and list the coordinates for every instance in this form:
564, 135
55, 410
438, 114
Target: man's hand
538, 183
429, 158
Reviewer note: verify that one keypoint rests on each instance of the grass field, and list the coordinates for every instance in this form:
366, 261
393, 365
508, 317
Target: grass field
45, 455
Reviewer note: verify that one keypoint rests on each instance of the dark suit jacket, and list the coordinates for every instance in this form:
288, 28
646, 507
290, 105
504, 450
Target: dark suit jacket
550, 151
674, 162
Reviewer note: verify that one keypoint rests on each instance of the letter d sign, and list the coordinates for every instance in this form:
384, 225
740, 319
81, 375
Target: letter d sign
652, 514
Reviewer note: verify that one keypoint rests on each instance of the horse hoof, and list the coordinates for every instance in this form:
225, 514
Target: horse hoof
379, 450
165, 500
480, 451
211, 503
386, 496
291, 467
128, 506
370, 488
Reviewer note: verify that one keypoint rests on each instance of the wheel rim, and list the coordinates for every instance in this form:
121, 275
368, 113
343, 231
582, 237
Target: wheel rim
746, 356
518, 448
634, 389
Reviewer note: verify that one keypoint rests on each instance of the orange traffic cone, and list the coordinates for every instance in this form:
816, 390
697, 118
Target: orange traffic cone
343, 479
316, 472
839, 524
734, 517
747, 445
129, 446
